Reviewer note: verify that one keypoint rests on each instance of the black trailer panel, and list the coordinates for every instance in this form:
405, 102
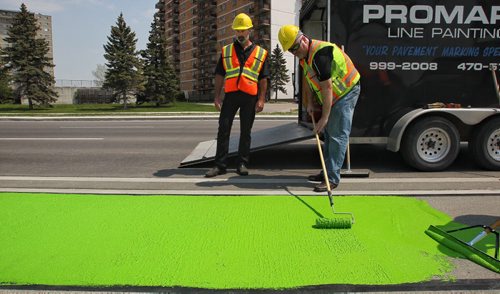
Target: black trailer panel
412, 53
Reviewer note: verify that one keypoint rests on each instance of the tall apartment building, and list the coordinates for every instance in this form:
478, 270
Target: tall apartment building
44, 21
196, 30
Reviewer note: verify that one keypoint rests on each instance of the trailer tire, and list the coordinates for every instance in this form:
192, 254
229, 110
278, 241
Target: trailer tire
430, 144
485, 145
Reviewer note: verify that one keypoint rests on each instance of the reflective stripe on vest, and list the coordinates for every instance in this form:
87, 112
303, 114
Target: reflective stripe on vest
344, 74
242, 78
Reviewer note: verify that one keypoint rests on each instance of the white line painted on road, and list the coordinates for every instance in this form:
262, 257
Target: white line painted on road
247, 180
142, 118
117, 127
51, 139
274, 192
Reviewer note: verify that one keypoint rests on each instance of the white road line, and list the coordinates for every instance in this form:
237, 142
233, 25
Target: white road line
241, 180
275, 192
117, 127
183, 117
51, 139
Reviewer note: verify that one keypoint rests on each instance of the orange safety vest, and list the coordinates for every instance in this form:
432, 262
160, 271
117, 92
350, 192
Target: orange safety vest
244, 78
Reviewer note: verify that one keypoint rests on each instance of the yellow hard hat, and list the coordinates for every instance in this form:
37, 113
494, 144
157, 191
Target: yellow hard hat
287, 36
242, 22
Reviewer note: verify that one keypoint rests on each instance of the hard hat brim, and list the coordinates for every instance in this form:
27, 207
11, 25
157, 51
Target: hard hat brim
242, 28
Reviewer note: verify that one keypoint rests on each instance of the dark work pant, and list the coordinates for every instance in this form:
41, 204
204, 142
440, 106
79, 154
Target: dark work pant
231, 104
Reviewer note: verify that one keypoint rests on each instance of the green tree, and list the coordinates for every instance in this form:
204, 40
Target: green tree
27, 61
162, 84
5, 88
123, 75
279, 73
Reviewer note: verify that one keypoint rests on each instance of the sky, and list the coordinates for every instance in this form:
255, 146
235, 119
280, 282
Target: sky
80, 29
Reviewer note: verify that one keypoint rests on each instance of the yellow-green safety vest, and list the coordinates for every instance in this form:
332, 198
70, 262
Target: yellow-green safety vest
344, 74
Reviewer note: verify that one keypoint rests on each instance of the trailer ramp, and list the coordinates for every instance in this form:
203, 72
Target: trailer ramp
262, 139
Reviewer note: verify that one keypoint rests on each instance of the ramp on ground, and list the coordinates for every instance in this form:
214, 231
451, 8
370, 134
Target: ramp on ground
288, 133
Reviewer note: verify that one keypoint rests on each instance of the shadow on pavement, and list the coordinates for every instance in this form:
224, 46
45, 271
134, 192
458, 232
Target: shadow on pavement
304, 155
266, 182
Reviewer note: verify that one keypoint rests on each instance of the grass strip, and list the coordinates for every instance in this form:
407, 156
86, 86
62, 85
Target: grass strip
101, 109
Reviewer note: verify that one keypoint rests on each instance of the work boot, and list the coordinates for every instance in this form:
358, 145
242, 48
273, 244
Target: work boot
242, 170
317, 177
323, 188
215, 172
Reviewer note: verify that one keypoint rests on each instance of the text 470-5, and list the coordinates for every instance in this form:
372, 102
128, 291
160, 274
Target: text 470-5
403, 66
478, 66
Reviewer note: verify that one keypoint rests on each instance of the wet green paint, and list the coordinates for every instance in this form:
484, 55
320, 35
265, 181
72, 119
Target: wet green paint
214, 242
458, 244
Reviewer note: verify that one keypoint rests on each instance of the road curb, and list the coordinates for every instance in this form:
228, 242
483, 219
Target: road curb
263, 193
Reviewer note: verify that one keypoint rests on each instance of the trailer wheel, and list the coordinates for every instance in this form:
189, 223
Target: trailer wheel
485, 145
431, 144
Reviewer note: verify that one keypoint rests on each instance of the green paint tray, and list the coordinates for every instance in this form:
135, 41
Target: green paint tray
464, 249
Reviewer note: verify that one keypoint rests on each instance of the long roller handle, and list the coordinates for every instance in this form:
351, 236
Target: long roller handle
325, 175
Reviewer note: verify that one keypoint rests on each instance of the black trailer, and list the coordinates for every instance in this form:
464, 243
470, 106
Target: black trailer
428, 76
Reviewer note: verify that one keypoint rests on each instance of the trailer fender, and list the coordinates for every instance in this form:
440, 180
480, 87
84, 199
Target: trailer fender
469, 116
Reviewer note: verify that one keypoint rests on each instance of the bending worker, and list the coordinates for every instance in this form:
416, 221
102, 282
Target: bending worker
243, 70
334, 81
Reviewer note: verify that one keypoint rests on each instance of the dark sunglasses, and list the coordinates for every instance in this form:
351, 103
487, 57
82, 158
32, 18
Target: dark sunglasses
294, 48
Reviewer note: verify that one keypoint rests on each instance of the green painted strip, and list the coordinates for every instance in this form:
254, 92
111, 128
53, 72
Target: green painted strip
214, 242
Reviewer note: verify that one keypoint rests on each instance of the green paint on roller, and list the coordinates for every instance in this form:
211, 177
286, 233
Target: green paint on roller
333, 223
247, 242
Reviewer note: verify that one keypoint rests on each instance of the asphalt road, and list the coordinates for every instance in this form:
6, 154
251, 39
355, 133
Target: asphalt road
142, 157
145, 155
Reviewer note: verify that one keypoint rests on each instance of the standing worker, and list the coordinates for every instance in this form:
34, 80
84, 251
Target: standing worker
334, 80
243, 70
